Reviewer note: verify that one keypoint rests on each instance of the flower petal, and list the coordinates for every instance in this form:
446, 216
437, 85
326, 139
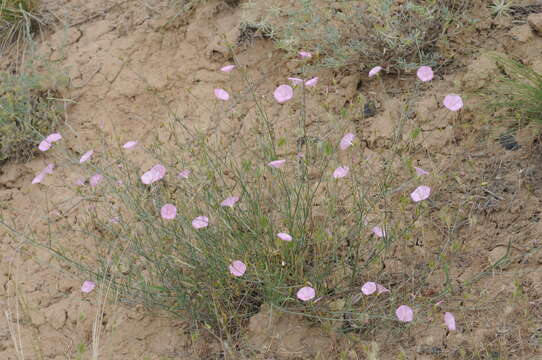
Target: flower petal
425, 73
375, 71
295, 81
95, 179
346, 141
381, 289
368, 288
420, 171
156, 173
49, 169
86, 156
200, 222
88, 286
227, 68
378, 231
130, 144
306, 293
311, 82
276, 163
449, 320
230, 201
222, 94
341, 172
39, 178
284, 236
421, 193
44, 145
453, 102
184, 174
404, 313
53, 137
168, 212
283, 93
238, 268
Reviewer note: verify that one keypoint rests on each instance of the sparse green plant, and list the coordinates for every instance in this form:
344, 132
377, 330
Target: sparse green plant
18, 23
29, 107
399, 37
185, 8
518, 91
501, 7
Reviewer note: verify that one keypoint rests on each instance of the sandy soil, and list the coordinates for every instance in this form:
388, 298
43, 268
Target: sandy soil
121, 54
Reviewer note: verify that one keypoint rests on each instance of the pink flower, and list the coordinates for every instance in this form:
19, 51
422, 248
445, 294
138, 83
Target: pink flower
420, 171
370, 287
184, 174
311, 82
381, 289
49, 140
44, 145
49, 169
156, 173
453, 102
425, 73
284, 236
295, 81
200, 222
95, 179
346, 141
379, 232
80, 182
449, 320
283, 93
129, 144
168, 212
304, 54
227, 68
404, 313
230, 201
238, 268
375, 71
88, 286
306, 293
341, 172
39, 178
276, 163
222, 94
86, 156
421, 193
53, 137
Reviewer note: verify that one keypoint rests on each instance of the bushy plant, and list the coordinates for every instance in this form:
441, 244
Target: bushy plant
210, 233
399, 36
18, 22
29, 108
518, 91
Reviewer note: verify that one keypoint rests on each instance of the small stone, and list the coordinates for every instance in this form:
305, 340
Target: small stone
56, 315
522, 33
37, 318
535, 20
369, 110
509, 142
